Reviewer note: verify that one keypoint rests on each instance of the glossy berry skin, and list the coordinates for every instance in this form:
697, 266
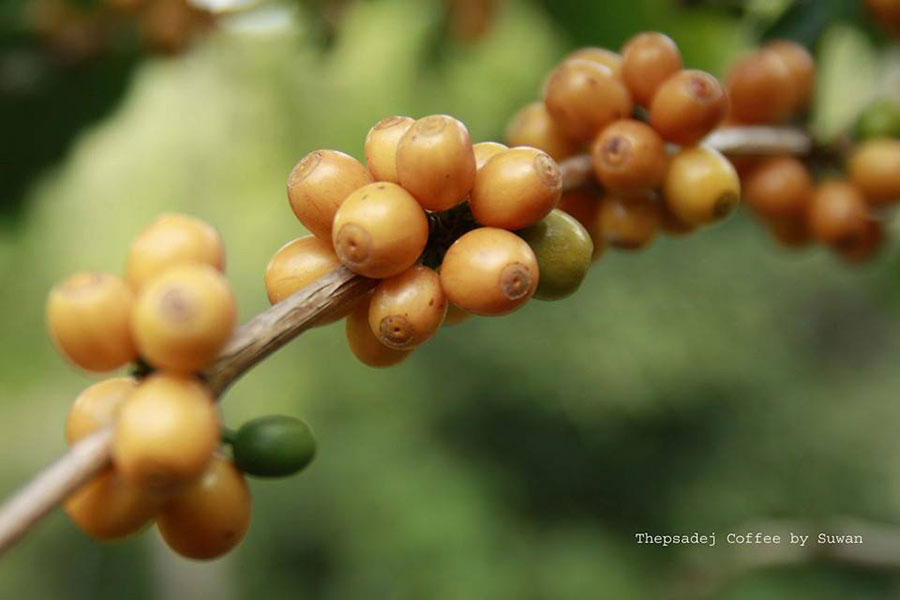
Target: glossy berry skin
110, 508
701, 186
273, 446
172, 239
297, 264
380, 230
802, 68
97, 406
88, 319
381, 147
760, 88
583, 97
533, 126
881, 119
166, 432
648, 59
628, 223
778, 188
563, 250
607, 58
211, 516
688, 106
407, 309
365, 346
183, 318
874, 167
838, 214
319, 183
516, 188
435, 162
629, 156
484, 151
489, 271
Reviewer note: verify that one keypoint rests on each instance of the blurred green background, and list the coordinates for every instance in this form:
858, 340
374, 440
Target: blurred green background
701, 385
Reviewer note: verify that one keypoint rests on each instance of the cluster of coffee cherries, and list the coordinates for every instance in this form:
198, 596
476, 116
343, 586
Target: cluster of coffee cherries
171, 314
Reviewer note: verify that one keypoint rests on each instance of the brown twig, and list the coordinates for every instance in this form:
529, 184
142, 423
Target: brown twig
272, 329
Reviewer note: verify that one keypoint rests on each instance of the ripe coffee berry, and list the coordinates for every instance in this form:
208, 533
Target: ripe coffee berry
380, 230
874, 167
628, 223
609, 59
407, 309
688, 106
435, 162
109, 508
363, 343
484, 151
778, 188
516, 188
172, 239
701, 186
583, 97
166, 432
211, 516
838, 214
489, 272
563, 250
648, 59
802, 69
629, 156
183, 317
273, 446
319, 183
533, 126
97, 406
297, 264
381, 147
88, 318
760, 88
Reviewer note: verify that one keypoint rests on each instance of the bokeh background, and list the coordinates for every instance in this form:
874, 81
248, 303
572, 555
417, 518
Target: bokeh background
707, 384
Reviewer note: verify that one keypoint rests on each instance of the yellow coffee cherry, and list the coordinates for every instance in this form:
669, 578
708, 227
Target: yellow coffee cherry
108, 507
88, 319
211, 516
701, 186
363, 343
533, 126
97, 406
319, 183
435, 162
874, 167
172, 239
381, 147
183, 318
628, 223
166, 432
484, 151
297, 264
407, 309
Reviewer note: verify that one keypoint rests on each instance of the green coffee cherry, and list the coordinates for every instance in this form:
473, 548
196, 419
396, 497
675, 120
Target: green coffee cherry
880, 119
273, 446
563, 249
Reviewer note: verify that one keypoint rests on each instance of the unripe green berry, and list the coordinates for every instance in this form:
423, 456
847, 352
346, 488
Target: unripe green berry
273, 446
880, 119
563, 249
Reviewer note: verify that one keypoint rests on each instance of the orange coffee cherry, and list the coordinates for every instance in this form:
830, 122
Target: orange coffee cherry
97, 406
790, 232
648, 59
183, 318
609, 59
760, 88
688, 106
779, 188
629, 156
802, 68
435, 162
583, 204
381, 147
380, 230
88, 319
701, 186
172, 239
319, 183
583, 97
838, 214
516, 188
109, 508
532, 126
297, 264
628, 223
484, 151
363, 343
489, 272
407, 309
874, 167
866, 246
166, 432
455, 315
211, 516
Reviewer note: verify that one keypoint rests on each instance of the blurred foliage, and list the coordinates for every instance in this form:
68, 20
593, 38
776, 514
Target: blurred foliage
696, 386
